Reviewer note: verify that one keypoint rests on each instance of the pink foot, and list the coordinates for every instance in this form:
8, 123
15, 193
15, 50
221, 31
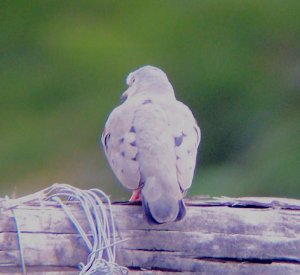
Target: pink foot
136, 195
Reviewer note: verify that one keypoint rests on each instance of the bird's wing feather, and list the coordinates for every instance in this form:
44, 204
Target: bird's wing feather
186, 134
119, 145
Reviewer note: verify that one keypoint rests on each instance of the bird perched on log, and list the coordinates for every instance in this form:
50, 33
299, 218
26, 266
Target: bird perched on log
151, 143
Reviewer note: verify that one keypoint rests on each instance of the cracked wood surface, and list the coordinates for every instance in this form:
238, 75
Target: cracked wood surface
218, 236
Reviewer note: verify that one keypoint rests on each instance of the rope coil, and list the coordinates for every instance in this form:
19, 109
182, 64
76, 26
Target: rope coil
100, 239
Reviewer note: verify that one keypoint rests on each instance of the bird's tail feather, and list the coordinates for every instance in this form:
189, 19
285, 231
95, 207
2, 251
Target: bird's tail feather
182, 211
161, 207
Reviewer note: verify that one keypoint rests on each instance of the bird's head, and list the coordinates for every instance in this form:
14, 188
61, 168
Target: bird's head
147, 81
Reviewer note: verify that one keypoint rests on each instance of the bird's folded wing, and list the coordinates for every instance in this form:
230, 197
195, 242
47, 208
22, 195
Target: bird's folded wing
187, 137
149, 139
119, 142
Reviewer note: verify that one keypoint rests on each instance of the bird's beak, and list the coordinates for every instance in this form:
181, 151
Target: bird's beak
124, 97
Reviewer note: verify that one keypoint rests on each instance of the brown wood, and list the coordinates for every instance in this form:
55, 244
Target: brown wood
218, 236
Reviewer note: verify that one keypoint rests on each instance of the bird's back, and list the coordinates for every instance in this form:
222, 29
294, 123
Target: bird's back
151, 143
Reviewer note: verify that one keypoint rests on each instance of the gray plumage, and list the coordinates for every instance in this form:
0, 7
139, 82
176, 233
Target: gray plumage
151, 143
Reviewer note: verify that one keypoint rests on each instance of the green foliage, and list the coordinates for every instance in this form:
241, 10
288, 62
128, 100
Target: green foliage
236, 64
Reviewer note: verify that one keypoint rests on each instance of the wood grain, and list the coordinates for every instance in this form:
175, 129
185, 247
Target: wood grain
217, 236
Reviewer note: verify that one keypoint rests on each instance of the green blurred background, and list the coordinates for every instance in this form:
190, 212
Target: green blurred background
235, 63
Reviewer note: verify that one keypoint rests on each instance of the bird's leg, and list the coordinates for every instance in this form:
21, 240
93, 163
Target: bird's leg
136, 195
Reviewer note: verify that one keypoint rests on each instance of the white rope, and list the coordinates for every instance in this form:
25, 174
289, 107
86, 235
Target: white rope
96, 206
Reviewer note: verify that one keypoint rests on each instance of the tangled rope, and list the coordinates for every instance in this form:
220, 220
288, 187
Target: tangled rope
101, 244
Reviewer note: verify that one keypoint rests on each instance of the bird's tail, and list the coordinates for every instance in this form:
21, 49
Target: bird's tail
162, 206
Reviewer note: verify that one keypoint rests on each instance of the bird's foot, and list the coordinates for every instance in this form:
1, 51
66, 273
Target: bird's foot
136, 195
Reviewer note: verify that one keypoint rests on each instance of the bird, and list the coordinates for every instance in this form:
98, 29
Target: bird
151, 141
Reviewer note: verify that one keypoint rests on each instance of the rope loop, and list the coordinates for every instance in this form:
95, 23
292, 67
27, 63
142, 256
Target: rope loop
100, 238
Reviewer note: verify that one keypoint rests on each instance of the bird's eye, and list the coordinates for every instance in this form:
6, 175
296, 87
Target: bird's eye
132, 80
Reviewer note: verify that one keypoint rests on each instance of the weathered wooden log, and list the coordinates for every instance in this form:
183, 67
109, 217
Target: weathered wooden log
217, 236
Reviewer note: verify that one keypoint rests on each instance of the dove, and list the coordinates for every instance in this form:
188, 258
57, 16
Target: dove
151, 141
